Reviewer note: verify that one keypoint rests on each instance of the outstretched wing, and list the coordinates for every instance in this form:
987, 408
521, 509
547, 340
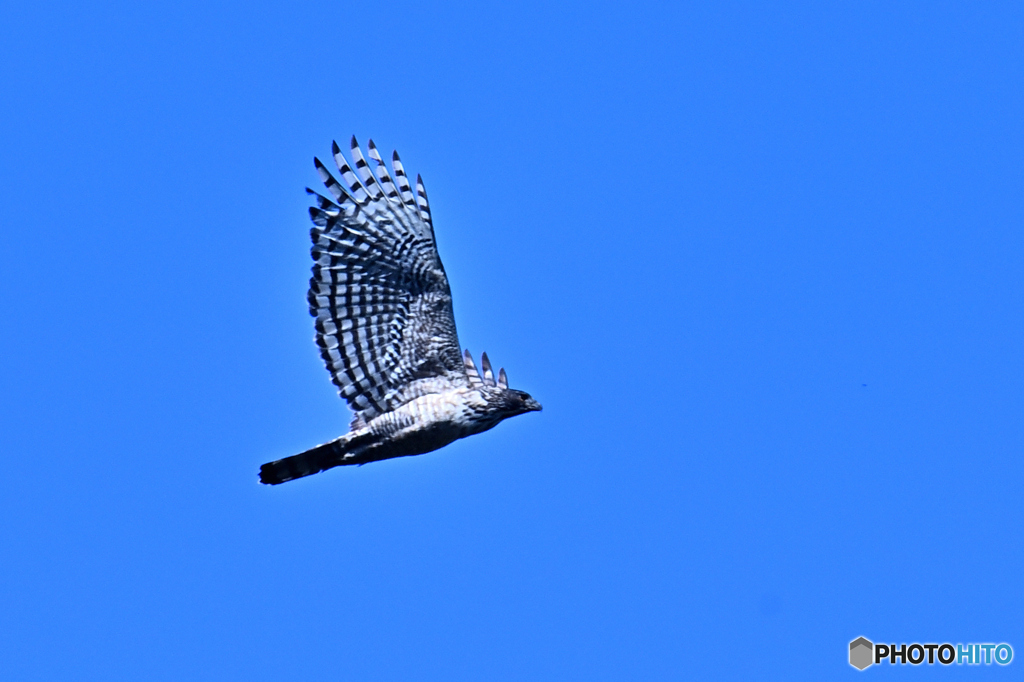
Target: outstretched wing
379, 293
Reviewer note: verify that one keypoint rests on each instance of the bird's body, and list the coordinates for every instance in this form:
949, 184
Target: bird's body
385, 326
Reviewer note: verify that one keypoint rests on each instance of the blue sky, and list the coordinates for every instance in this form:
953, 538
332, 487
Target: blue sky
761, 263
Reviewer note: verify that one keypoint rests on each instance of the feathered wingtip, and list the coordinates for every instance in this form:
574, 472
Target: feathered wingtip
362, 187
471, 373
475, 379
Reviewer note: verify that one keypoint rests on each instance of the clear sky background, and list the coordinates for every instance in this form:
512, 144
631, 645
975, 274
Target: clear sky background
763, 265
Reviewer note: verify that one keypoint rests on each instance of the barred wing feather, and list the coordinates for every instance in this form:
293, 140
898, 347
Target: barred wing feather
379, 293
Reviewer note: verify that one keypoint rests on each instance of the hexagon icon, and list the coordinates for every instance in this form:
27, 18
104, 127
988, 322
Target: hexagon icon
861, 653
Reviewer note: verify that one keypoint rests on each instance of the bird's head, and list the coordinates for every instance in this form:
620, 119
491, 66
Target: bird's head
510, 401
520, 402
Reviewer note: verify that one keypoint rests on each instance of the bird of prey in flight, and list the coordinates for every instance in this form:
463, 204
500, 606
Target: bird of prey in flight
385, 327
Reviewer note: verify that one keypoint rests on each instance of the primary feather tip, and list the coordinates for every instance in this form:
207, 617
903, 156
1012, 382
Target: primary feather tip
487, 378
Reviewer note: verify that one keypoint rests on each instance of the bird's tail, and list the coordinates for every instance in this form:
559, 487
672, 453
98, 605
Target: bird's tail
312, 461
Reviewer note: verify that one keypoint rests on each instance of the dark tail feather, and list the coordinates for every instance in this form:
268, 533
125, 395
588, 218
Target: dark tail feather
312, 461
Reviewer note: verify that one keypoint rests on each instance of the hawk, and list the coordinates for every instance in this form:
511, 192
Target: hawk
385, 327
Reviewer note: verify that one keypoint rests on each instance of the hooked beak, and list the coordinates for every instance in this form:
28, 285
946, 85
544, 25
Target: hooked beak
533, 406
